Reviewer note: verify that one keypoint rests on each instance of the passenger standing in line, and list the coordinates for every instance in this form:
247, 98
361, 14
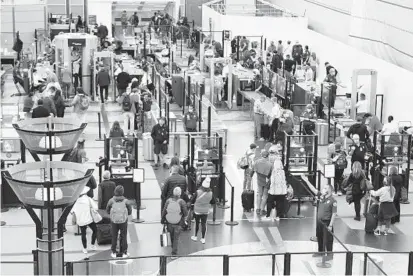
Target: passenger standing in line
339, 159
119, 209
160, 136
397, 181
250, 155
359, 129
263, 168
288, 50
106, 190
28, 104
190, 120
128, 116
280, 48
48, 102
117, 133
356, 188
387, 210
278, 190
103, 81
258, 117
84, 219
59, 104
202, 201
276, 113
80, 105
358, 152
123, 79
174, 180
173, 214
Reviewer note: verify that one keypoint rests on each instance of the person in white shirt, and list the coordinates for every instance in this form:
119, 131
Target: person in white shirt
258, 117
362, 105
276, 113
309, 73
390, 128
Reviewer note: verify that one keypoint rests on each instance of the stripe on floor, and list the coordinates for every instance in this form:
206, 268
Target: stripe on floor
276, 236
132, 233
259, 231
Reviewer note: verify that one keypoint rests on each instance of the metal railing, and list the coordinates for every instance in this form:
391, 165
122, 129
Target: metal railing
258, 9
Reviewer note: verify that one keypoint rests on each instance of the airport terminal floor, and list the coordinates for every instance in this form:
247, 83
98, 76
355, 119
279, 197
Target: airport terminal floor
264, 241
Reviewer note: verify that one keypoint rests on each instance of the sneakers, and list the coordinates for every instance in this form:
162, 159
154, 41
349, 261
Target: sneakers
203, 241
258, 211
385, 232
377, 232
277, 218
113, 255
194, 238
125, 255
339, 193
84, 250
93, 247
263, 212
357, 218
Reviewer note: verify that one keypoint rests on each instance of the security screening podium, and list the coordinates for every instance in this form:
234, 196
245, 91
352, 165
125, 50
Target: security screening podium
49, 185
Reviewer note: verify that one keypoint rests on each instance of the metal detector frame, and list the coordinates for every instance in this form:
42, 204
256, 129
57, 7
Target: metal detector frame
227, 61
96, 56
354, 90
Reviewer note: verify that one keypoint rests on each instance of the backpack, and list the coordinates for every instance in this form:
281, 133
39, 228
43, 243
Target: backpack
341, 162
74, 156
84, 102
173, 212
126, 103
119, 212
124, 19
243, 162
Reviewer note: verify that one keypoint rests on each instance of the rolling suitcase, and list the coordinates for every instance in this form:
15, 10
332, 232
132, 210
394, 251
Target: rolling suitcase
148, 153
371, 216
247, 199
104, 234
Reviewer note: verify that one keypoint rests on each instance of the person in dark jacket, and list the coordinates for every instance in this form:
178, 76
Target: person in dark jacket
397, 182
160, 136
276, 62
59, 104
360, 129
355, 187
297, 53
40, 111
175, 162
358, 151
174, 180
123, 80
106, 190
102, 33
190, 120
103, 80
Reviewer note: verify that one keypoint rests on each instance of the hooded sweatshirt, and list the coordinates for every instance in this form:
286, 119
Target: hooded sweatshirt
360, 129
118, 199
82, 210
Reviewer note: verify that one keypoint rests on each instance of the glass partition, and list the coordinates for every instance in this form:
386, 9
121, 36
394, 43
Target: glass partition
16, 267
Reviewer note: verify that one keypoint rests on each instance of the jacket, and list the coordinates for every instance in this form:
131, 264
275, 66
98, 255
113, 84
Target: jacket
117, 199
102, 31
60, 107
76, 103
360, 129
40, 112
28, 104
297, 50
160, 133
123, 80
105, 193
355, 184
397, 182
190, 120
49, 105
263, 168
278, 182
103, 78
82, 210
384, 194
174, 180
202, 201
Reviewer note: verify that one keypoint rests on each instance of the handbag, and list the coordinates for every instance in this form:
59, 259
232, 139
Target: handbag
94, 213
165, 237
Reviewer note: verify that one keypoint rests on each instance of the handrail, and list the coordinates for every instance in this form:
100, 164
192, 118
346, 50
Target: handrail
375, 264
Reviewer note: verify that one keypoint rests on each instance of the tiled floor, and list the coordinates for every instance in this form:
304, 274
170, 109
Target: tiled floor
251, 236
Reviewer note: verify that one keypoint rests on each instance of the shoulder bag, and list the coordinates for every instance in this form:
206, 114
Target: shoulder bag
94, 213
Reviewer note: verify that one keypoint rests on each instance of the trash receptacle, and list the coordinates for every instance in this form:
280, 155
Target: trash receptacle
372, 268
121, 267
321, 128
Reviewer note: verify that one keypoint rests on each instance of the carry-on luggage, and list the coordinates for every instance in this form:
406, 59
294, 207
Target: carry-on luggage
104, 234
105, 217
147, 140
247, 199
371, 216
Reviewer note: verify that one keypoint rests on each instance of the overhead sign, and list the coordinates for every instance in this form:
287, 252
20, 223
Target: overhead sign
76, 42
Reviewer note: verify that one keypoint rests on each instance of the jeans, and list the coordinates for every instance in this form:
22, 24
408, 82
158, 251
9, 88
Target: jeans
273, 129
262, 195
357, 204
175, 231
247, 179
83, 233
123, 229
397, 205
128, 118
338, 179
258, 119
104, 88
121, 91
201, 219
77, 80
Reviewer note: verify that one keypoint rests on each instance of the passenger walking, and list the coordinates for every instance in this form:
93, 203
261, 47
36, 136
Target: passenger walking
128, 115
82, 212
80, 105
278, 191
119, 209
387, 210
355, 187
249, 159
397, 182
339, 159
173, 215
116, 133
103, 81
202, 200
263, 169
160, 136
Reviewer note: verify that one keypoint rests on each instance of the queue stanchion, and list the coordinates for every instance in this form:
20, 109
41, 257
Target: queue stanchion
99, 127
214, 210
181, 46
3, 209
138, 218
314, 238
231, 222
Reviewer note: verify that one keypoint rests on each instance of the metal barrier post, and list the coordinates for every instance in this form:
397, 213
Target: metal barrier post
365, 264
225, 265
232, 222
138, 204
287, 264
410, 268
35, 262
69, 268
100, 128
349, 264
162, 265
181, 45
273, 260
214, 209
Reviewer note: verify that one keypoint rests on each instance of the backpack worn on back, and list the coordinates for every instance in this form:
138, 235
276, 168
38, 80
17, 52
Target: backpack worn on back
84, 102
75, 156
124, 18
341, 162
173, 212
126, 103
119, 212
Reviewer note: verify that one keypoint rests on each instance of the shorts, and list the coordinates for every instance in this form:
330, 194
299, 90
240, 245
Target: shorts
160, 148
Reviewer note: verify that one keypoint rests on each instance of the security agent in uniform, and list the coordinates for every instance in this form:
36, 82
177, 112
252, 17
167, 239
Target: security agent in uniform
327, 212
